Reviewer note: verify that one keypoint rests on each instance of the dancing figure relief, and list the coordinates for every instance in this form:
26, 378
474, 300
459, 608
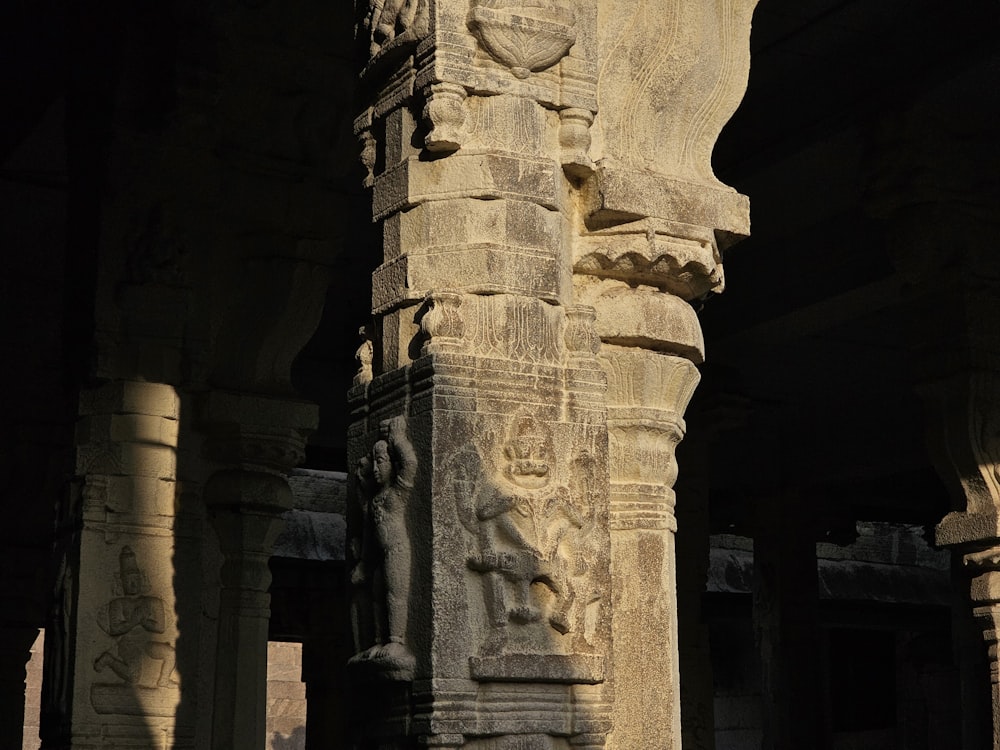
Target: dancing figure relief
525, 533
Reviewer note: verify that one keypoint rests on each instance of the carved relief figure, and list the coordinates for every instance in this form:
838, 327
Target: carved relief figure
390, 19
133, 620
525, 530
385, 557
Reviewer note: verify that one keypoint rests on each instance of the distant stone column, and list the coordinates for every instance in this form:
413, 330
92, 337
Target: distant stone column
15, 651
256, 441
939, 213
786, 626
111, 643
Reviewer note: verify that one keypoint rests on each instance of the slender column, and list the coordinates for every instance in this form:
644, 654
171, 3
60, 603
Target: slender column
257, 440
647, 394
655, 223
785, 600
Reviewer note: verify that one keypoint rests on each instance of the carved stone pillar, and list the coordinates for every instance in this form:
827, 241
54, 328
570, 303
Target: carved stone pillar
510, 145
478, 526
939, 208
111, 660
257, 441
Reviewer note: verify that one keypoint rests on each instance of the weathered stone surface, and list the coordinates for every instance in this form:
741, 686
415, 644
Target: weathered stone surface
533, 352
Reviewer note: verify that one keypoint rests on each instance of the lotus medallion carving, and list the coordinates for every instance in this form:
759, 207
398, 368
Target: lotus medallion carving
525, 35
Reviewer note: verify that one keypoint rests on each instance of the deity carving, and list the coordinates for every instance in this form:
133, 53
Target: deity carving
140, 657
527, 534
381, 575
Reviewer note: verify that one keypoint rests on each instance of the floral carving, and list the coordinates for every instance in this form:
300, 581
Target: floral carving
530, 36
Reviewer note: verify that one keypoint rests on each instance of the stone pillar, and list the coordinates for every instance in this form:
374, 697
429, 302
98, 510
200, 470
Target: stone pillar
939, 211
111, 660
257, 441
968, 449
478, 530
15, 651
785, 610
511, 506
647, 394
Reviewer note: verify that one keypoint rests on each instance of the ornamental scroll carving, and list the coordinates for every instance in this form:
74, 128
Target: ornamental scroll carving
526, 36
531, 540
382, 552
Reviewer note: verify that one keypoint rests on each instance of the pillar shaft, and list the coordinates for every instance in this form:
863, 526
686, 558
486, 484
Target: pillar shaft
647, 394
942, 242
111, 646
255, 441
786, 602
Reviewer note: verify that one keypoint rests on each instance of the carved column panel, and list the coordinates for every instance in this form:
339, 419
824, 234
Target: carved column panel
256, 441
478, 528
112, 667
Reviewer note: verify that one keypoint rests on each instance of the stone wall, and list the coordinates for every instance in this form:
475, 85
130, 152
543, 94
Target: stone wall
286, 697
33, 694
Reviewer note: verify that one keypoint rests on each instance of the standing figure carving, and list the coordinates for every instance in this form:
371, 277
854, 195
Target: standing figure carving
385, 559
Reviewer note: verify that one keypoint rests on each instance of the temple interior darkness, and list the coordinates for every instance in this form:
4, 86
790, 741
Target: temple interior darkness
182, 205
